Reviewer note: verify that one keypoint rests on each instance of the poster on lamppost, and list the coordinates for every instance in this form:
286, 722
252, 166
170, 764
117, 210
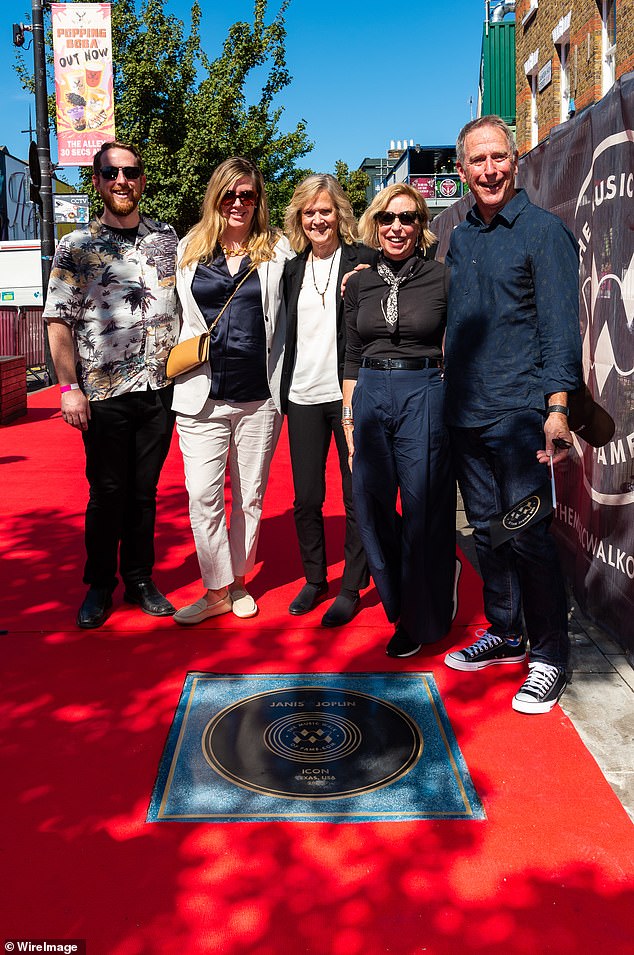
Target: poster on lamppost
82, 52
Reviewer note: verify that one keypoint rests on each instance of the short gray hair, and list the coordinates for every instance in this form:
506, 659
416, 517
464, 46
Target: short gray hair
496, 121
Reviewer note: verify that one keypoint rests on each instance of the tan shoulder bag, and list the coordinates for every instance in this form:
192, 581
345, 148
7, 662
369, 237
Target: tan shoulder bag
187, 355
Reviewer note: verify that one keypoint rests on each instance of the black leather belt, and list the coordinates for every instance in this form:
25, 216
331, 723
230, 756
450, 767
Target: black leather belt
401, 364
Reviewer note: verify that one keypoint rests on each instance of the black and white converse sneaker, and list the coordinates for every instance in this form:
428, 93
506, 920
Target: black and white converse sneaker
488, 649
541, 689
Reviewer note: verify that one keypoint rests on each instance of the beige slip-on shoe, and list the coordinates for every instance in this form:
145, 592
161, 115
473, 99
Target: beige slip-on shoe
201, 610
243, 603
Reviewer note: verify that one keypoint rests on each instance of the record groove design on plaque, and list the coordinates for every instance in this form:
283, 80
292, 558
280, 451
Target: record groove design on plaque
313, 751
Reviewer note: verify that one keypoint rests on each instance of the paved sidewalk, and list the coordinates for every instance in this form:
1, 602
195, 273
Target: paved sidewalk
600, 703
600, 698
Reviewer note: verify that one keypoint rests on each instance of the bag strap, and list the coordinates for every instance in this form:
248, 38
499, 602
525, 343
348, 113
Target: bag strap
219, 315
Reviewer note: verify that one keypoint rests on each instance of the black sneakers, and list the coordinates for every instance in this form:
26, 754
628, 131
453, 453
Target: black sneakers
487, 650
401, 645
541, 689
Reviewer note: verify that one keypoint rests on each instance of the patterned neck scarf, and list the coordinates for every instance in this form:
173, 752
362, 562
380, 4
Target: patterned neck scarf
390, 310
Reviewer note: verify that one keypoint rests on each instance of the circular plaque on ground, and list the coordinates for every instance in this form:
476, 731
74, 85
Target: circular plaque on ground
312, 742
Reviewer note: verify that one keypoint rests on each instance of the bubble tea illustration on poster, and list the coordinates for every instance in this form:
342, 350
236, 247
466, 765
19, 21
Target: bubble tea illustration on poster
83, 80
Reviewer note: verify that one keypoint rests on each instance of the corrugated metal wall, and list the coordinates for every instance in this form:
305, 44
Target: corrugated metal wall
497, 76
22, 333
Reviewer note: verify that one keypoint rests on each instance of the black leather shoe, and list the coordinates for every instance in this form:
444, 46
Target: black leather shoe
401, 645
94, 609
341, 611
308, 596
149, 598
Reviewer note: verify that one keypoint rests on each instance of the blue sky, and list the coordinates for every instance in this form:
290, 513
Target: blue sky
363, 73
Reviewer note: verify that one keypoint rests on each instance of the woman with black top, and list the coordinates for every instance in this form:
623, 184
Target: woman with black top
393, 419
321, 227
228, 409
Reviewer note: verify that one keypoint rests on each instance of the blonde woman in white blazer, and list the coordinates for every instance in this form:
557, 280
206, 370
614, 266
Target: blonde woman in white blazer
228, 409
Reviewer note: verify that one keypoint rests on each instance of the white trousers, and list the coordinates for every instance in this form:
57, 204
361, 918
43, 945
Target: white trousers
245, 434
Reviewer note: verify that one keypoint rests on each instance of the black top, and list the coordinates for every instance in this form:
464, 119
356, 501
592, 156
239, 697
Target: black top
129, 234
237, 350
422, 307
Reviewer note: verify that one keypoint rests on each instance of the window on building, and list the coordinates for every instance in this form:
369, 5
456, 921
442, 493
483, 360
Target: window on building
534, 118
531, 70
561, 39
563, 49
608, 44
530, 12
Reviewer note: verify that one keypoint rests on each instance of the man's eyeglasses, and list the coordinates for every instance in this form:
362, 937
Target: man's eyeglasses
247, 197
110, 173
405, 218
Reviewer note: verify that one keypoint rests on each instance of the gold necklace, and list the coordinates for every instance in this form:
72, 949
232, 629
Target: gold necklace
312, 265
231, 252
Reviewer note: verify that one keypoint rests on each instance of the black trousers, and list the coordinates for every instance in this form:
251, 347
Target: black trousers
310, 429
402, 449
126, 444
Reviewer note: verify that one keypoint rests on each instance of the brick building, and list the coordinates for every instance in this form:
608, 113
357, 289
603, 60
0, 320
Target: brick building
568, 55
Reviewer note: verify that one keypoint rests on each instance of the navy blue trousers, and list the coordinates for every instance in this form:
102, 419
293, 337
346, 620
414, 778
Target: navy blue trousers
497, 467
402, 447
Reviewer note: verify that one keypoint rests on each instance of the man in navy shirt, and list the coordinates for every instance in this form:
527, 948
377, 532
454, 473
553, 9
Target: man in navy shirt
512, 354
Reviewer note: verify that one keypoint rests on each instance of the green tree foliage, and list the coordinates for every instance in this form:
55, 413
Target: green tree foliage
187, 113
354, 184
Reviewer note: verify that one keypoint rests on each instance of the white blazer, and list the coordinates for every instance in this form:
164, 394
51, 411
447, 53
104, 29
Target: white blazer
191, 390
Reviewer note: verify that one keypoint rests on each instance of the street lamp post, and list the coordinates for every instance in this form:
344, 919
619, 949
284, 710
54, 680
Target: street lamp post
40, 154
44, 155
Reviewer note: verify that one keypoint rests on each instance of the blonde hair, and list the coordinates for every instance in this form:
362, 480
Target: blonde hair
203, 238
369, 226
304, 194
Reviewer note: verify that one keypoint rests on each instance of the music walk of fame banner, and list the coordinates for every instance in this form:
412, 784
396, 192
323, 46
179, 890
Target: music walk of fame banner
584, 173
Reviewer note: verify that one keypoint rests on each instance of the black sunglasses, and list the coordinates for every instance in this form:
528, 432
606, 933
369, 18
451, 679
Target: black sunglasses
110, 173
405, 218
248, 197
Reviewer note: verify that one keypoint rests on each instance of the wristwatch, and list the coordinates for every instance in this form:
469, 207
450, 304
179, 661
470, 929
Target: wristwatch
559, 409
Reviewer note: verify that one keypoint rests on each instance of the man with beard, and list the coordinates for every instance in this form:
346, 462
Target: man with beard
112, 319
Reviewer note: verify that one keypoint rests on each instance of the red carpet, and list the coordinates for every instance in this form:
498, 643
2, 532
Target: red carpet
84, 719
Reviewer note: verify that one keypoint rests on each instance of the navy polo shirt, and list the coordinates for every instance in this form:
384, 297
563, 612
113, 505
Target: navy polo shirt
513, 313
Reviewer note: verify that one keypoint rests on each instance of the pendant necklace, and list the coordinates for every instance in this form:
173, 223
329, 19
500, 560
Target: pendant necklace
312, 264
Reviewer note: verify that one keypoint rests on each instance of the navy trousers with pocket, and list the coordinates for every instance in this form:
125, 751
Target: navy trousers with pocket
402, 448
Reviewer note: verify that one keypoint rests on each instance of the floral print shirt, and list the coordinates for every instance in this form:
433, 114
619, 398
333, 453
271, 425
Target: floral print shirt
118, 296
